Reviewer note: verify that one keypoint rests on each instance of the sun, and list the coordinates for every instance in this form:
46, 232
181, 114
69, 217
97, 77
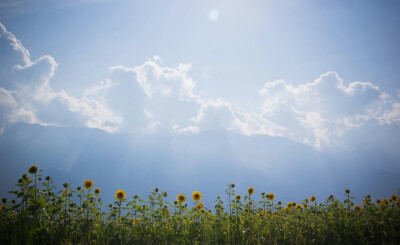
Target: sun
213, 14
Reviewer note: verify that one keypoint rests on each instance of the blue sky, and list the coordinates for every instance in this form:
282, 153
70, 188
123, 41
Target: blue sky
320, 73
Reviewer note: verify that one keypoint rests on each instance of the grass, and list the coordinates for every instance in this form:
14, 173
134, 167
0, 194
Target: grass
41, 215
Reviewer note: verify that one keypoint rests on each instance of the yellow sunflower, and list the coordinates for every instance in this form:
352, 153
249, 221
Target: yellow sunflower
181, 198
120, 195
357, 208
88, 184
131, 221
312, 198
200, 206
32, 169
289, 205
298, 206
97, 191
271, 196
250, 190
393, 198
238, 197
196, 195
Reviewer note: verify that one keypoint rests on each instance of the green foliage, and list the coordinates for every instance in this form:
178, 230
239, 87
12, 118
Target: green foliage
42, 215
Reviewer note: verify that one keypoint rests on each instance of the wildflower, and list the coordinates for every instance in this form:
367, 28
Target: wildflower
196, 195
131, 221
271, 196
32, 169
347, 191
298, 206
200, 206
181, 198
120, 195
97, 191
250, 190
393, 198
312, 198
88, 184
289, 205
357, 208
238, 197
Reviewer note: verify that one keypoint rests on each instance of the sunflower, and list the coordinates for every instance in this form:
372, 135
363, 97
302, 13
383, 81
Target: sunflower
120, 195
357, 208
238, 197
138, 220
271, 196
181, 198
97, 191
32, 169
88, 184
200, 206
289, 205
26, 177
312, 198
196, 195
298, 206
378, 201
131, 221
4, 200
305, 205
250, 190
347, 191
393, 198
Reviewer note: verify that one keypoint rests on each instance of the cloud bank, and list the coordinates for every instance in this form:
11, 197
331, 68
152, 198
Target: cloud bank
153, 98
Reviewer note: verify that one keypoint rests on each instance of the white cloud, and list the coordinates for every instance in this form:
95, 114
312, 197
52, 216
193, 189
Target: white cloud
152, 97
34, 101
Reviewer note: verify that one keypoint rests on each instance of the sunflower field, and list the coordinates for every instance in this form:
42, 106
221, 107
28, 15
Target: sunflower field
41, 213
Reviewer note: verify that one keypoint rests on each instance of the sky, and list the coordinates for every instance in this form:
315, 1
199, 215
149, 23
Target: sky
320, 73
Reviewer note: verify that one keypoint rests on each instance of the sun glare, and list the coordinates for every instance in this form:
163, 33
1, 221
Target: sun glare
213, 14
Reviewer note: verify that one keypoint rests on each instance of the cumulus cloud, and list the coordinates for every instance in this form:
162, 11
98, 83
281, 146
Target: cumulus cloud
153, 98
320, 112
34, 100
